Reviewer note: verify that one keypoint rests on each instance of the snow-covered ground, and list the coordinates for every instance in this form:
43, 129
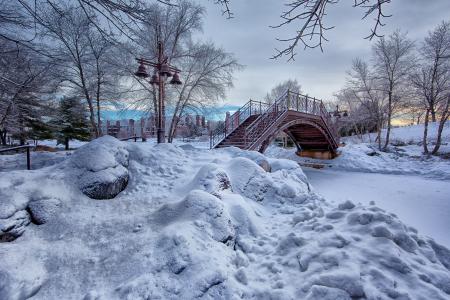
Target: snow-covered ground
421, 202
402, 181
194, 223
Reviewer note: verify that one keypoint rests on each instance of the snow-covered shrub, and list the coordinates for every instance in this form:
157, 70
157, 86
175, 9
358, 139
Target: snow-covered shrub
212, 179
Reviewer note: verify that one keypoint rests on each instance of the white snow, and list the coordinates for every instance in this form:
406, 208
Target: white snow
195, 223
420, 202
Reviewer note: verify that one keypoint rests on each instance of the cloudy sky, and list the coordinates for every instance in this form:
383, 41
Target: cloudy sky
249, 37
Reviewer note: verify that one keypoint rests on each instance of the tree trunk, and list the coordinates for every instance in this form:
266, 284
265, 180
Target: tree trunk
388, 131
425, 132
66, 143
433, 115
98, 118
99, 83
378, 134
174, 133
86, 94
174, 122
3, 136
173, 125
444, 118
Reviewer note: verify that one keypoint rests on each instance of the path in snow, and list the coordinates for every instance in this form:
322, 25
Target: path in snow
419, 202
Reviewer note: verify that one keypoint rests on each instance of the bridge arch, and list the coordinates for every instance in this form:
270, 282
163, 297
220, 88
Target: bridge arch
294, 130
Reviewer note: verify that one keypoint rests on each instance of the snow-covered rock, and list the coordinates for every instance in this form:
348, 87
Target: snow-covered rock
42, 210
14, 226
103, 164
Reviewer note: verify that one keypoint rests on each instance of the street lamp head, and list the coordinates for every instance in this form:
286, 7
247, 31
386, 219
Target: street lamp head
154, 80
165, 70
175, 79
141, 72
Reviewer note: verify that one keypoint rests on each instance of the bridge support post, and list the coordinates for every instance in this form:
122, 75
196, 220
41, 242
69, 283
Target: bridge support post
317, 154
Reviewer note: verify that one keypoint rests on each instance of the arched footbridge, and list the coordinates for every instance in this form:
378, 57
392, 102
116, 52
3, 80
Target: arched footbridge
304, 119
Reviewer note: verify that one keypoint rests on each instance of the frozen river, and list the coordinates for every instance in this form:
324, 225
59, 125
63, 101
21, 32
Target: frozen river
419, 202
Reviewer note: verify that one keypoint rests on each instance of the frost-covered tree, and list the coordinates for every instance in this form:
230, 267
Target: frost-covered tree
393, 61
83, 56
276, 92
206, 69
431, 80
25, 82
71, 122
363, 98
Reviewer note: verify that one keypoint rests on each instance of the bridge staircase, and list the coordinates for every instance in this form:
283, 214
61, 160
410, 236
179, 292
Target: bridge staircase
304, 119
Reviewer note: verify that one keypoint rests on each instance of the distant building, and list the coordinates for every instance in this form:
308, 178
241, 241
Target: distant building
146, 127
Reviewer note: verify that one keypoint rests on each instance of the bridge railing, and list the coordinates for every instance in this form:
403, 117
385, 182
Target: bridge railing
226, 128
303, 103
287, 101
265, 120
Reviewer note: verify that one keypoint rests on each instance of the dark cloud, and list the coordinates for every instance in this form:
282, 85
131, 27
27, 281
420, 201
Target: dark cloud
321, 74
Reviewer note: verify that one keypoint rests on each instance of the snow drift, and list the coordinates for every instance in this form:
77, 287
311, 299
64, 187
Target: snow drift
221, 224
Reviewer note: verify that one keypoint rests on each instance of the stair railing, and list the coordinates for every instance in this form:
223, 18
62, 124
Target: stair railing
224, 129
266, 119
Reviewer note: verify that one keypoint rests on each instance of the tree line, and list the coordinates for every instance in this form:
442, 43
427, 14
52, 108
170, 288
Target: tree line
401, 79
63, 62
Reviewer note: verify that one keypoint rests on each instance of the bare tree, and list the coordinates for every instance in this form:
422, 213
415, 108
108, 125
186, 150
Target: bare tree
368, 100
393, 62
276, 92
82, 56
311, 17
208, 72
432, 79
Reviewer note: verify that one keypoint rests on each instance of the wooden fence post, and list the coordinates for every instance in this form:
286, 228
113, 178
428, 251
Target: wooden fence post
28, 159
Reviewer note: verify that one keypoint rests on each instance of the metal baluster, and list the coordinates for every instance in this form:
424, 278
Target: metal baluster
306, 104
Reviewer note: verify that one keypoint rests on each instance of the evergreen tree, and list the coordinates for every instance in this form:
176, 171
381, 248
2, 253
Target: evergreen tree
71, 122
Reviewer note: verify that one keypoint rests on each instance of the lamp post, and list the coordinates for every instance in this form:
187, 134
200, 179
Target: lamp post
162, 71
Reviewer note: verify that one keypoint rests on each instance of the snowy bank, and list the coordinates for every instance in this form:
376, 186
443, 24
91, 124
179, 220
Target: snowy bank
404, 155
191, 223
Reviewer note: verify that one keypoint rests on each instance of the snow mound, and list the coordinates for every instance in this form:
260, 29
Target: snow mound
204, 224
22, 282
100, 154
206, 211
286, 182
369, 253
